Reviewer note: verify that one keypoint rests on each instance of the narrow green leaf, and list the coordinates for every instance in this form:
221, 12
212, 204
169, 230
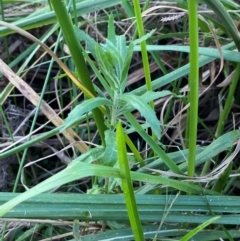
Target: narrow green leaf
109, 157
217, 146
104, 83
198, 229
230, 55
91, 43
30, 232
144, 38
106, 67
83, 108
147, 97
126, 64
90, 156
76, 229
111, 30
122, 46
115, 58
146, 111
127, 185
78, 170
157, 149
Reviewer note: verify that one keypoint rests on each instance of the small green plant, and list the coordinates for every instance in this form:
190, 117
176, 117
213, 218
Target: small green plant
133, 182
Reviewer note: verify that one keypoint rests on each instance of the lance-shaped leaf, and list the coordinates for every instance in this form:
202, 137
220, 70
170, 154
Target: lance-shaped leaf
83, 108
145, 110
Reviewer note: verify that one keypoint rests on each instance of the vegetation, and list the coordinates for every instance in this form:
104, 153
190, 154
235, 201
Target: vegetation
119, 120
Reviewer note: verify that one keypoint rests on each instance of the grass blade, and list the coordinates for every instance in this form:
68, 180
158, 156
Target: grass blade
198, 229
77, 56
127, 185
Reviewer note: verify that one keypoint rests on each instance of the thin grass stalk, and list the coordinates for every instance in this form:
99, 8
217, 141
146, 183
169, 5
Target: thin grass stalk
134, 151
130, 12
193, 232
77, 56
141, 33
75, 12
192, 117
155, 147
127, 185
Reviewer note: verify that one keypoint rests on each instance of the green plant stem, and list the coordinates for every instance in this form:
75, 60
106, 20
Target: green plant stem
134, 151
155, 147
78, 59
192, 117
229, 102
128, 186
141, 33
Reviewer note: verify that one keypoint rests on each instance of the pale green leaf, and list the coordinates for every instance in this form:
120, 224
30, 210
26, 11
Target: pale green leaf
145, 110
229, 55
109, 157
106, 67
111, 30
126, 64
193, 232
91, 43
83, 108
78, 170
217, 146
144, 38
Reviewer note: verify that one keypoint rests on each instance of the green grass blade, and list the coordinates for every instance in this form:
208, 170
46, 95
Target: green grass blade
230, 55
77, 56
198, 229
192, 113
146, 111
176, 74
86, 106
141, 33
127, 185
156, 148
48, 17
78, 169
